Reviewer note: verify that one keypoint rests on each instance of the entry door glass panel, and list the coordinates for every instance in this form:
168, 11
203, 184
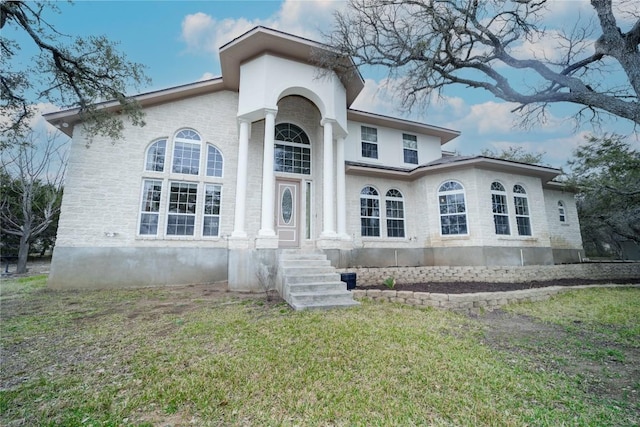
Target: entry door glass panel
288, 226
287, 206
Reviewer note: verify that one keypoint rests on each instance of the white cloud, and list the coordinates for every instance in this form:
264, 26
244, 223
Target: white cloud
203, 33
488, 117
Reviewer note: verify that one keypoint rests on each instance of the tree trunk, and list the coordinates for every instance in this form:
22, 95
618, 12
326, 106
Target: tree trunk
23, 254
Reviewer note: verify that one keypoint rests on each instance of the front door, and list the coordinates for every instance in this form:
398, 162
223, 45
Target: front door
288, 213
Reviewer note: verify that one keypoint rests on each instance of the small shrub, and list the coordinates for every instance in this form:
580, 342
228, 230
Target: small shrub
390, 282
266, 277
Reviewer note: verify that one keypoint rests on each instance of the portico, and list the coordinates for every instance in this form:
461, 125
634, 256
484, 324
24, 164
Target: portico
287, 69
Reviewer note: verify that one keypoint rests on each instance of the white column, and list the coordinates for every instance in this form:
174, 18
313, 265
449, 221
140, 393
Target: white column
328, 188
268, 180
241, 180
341, 199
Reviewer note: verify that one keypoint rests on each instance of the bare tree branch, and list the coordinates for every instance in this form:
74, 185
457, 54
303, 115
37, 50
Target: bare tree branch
431, 44
71, 73
32, 172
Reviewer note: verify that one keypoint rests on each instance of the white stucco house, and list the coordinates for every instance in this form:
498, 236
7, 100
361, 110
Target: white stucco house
230, 171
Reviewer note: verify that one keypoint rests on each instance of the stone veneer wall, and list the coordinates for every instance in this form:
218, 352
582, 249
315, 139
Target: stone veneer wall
467, 303
601, 271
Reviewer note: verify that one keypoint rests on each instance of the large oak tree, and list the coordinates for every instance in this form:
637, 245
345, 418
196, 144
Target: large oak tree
66, 71
430, 44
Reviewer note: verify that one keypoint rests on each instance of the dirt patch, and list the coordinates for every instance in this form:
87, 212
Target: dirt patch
606, 370
472, 287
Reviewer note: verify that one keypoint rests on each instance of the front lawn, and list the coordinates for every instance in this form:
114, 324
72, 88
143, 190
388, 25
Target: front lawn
188, 356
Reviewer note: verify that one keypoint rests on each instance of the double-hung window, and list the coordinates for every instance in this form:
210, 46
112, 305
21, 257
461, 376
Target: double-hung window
500, 209
369, 142
410, 148
211, 214
395, 213
522, 210
150, 209
369, 212
183, 198
453, 209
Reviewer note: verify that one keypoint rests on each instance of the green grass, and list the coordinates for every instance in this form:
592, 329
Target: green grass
614, 313
148, 357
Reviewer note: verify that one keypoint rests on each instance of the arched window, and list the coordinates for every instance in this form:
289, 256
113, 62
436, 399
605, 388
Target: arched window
214, 161
186, 152
522, 210
292, 150
561, 211
181, 206
395, 213
369, 212
155, 156
500, 209
453, 216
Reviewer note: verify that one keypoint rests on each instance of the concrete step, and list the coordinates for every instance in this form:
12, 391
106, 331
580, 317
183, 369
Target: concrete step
325, 298
302, 256
309, 281
312, 278
323, 306
305, 263
305, 270
317, 287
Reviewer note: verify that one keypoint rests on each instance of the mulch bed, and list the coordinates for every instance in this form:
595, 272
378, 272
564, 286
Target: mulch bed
470, 287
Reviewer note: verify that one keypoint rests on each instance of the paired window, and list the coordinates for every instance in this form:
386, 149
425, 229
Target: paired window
369, 142
292, 150
410, 148
561, 212
370, 213
369, 145
453, 209
522, 210
192, 205
500, 208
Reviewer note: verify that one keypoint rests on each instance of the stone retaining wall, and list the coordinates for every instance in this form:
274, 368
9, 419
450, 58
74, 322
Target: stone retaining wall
469, 303
604, 271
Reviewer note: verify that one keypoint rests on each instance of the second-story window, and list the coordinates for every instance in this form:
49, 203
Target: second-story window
369, 142
410, 148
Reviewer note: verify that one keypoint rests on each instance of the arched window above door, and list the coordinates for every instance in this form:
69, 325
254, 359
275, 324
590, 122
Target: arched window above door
292, 150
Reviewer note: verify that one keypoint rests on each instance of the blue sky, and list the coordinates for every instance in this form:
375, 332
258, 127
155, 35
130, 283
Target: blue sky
178, 42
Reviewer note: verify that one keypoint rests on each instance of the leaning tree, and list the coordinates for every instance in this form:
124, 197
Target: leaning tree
427, 45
